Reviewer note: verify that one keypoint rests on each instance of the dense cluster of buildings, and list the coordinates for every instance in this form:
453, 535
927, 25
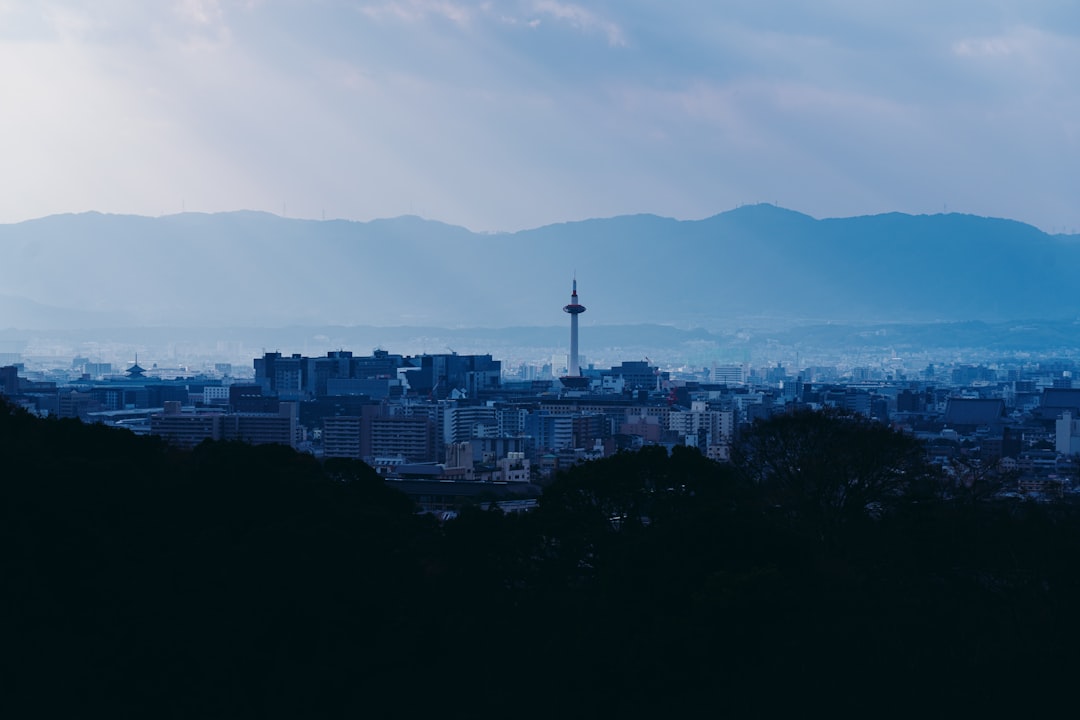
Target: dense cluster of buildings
427, 420
448, 427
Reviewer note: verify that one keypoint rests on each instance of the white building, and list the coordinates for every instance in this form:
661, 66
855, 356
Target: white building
464, 421
729, 374
717, 425
216, 395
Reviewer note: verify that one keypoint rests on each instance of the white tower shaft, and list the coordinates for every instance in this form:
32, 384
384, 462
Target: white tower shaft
574, 308
575, 369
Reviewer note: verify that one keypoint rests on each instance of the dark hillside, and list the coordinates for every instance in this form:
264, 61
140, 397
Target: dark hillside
823, 569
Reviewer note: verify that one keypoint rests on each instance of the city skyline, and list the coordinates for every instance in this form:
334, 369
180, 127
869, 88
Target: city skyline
512, 115
292, 423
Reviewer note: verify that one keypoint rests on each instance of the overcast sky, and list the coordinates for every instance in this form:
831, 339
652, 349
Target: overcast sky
504, 115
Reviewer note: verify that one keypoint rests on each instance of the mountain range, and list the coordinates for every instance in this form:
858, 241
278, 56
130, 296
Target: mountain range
760, 263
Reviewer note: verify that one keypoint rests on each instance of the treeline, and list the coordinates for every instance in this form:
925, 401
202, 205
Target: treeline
822, 570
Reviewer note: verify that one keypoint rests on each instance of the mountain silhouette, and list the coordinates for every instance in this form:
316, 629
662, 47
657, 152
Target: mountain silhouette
761, 261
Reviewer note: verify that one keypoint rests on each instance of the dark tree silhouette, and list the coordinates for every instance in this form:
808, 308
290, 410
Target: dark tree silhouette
241, 581
825, 469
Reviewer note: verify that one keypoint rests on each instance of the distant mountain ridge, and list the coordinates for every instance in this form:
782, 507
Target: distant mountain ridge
761, 262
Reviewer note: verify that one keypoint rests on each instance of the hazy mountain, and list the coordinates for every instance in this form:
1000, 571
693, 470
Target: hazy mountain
757, 262
36, 315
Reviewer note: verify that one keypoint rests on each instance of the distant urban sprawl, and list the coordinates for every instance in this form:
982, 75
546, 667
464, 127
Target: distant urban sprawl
449, 428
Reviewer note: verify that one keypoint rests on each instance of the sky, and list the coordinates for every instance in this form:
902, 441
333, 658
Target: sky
505, 115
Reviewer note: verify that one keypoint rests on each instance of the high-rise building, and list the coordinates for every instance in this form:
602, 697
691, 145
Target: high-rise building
342, 436
439, 376
290, 378
185, 429
404, 435
280, 428
9, 380
464, 420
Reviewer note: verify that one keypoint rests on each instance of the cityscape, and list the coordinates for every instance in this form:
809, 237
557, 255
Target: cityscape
539, 358
449, 428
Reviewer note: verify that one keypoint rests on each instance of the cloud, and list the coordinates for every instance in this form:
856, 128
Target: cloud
581, 19
70, 23
1024, 61
501, 114
418, 10
200, 12
984, 47
1020, 42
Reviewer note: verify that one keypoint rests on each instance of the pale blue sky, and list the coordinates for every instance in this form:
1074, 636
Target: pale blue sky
508, 115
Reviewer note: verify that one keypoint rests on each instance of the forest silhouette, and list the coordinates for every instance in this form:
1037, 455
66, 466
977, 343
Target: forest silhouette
827, 567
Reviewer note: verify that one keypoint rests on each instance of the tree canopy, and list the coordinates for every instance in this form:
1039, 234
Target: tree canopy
826, 469
242, 581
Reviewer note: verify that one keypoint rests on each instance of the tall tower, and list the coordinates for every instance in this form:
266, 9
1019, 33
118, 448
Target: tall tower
574, 308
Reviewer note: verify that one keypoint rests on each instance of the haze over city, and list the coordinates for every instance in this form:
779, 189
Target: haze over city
501, 116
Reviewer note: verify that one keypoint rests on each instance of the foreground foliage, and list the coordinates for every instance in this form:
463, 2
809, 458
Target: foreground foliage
240, 581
